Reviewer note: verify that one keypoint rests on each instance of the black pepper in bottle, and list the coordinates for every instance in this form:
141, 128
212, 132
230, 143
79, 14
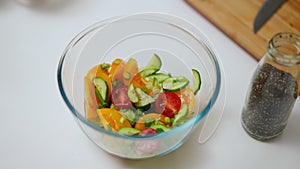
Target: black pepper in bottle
273, 88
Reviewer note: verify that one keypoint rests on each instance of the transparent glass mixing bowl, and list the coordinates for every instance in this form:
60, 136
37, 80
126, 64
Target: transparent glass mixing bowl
181, 48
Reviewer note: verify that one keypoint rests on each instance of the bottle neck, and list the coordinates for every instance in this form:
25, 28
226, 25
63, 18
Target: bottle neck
284, 49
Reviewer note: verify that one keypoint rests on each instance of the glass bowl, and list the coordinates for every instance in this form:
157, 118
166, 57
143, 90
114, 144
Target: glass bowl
181, 48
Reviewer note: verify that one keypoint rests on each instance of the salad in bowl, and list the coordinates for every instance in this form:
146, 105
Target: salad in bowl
122, 97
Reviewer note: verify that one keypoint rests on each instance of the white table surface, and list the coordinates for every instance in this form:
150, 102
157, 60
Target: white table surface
38, 131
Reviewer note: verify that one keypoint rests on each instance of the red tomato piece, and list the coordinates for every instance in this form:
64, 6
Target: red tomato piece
167, 103
148, 131
120, 97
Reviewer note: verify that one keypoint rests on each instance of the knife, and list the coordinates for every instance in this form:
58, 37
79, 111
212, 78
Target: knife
265, 12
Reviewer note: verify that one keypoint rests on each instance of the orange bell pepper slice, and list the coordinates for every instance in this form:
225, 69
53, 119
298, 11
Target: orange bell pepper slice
124, 72
112, 119
138, 81
114, 66
117, 71
130, 70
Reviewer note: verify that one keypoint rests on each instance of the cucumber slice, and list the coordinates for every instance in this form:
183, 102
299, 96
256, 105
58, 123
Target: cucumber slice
160, 127
148, 71
129, 131
144, 99
101, 90
102, 103
182, 113
174, 84
197, 85
152, 84
155, 82
154, 62
132, 94
152, 66
130, 115
159, 76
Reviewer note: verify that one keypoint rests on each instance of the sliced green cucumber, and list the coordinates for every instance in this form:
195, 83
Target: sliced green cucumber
197, 85
182, 113
129, 114
152, 84
159, 76
155, 82
144, 99
132, 94
154, 62
103, 102
148, 71
129, 131
152, 66
160, 127
101, 90
174, 84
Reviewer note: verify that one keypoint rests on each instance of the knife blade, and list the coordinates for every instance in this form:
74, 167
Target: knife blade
265, 12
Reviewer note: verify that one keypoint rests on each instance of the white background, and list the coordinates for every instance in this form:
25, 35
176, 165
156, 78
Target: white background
38, 131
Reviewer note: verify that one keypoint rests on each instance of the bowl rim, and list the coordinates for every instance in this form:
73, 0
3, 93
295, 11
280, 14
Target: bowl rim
199, 37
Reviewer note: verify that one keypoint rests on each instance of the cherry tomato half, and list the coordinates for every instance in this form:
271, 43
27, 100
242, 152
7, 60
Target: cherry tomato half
147, 131
120, 97
167, 103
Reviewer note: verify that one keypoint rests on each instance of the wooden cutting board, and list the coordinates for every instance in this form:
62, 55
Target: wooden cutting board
235, 18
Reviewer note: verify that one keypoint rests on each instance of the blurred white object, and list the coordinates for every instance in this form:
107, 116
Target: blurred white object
45, 4
28, 2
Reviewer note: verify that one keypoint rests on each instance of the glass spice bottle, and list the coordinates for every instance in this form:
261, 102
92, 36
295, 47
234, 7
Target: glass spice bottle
273, 88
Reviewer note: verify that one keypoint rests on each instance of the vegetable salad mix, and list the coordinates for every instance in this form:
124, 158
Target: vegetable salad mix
123, 98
